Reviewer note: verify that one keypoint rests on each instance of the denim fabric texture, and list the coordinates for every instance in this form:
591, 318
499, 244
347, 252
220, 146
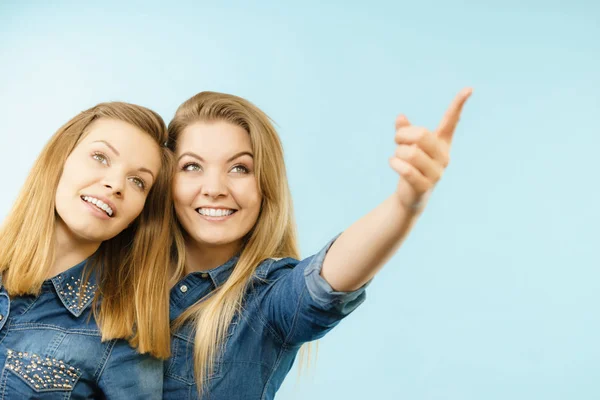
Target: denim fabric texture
51, 348
287, 304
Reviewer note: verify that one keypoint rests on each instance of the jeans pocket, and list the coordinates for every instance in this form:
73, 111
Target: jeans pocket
34, 376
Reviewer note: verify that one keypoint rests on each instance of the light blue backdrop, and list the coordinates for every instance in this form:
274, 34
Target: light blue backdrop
496, 293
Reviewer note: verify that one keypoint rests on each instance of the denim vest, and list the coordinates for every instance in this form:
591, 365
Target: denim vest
51, 348
287, 304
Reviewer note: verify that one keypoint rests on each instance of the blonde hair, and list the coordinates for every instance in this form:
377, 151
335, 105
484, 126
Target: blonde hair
274, 234
133, 277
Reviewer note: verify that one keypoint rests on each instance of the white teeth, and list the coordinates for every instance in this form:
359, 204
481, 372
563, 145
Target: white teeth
214, 212
100, 204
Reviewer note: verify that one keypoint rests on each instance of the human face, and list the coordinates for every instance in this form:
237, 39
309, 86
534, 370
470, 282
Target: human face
105, 180
215, 189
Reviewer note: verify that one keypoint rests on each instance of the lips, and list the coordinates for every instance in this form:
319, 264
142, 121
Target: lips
101, 204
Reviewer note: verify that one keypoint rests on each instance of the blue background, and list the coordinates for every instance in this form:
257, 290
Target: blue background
495, 294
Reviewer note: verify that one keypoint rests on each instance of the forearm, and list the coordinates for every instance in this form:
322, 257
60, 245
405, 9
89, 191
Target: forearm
362, 249
420, 159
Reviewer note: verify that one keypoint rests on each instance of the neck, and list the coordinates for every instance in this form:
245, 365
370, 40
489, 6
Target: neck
69, 250
202, 257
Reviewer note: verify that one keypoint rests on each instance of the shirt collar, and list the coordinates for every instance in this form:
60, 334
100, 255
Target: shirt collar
69, 285
194, 285
220, 274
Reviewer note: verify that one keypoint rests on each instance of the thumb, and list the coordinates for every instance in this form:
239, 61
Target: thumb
402, 121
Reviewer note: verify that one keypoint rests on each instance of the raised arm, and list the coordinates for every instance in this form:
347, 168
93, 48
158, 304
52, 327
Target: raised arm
420, 159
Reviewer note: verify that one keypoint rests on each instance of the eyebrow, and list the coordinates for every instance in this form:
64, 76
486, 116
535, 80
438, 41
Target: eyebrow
119, 154
148, 171
109, 146
237, 155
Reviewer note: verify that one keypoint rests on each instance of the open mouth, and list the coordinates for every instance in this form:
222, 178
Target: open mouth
99, 204
215, 212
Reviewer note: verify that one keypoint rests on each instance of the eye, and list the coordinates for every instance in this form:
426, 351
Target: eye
139, 182
240, 169
100, 157
192, 167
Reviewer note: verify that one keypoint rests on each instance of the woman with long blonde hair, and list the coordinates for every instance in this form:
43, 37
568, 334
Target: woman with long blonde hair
84, 290
242, 303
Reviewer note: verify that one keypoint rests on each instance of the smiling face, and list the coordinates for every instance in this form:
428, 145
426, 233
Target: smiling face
105, 180
215, 190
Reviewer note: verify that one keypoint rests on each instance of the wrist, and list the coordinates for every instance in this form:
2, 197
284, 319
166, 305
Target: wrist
415, 204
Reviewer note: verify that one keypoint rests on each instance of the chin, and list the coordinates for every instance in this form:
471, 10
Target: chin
211, 242
94, 236
88, 233
214, 241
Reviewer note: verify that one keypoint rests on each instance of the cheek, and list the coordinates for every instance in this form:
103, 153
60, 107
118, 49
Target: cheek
181, 194
131, 208
60, 188
66, 175
138, 204
180, 210
255, 196
67, 183
249, 196
184, 193
183, 210
76, 176
256, 202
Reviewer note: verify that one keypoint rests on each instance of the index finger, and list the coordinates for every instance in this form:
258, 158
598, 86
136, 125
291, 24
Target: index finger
448, 124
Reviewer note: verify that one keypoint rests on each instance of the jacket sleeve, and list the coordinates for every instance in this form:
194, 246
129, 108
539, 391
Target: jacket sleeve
300, 305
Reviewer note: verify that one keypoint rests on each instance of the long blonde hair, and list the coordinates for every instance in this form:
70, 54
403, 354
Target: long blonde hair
133, 272
274, 234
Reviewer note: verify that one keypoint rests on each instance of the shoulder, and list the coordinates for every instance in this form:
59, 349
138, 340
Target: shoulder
273, 268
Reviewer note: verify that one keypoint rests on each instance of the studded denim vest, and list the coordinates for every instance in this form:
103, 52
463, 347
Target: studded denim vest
51, 348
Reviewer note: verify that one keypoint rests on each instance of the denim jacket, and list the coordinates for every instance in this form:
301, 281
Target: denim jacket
51, 348
287, 304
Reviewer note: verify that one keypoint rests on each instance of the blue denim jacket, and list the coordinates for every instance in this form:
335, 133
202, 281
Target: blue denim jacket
287, 304
51, 348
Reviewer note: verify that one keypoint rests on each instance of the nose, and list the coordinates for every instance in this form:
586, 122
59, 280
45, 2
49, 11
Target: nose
115, 183
213, 185
115, 192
